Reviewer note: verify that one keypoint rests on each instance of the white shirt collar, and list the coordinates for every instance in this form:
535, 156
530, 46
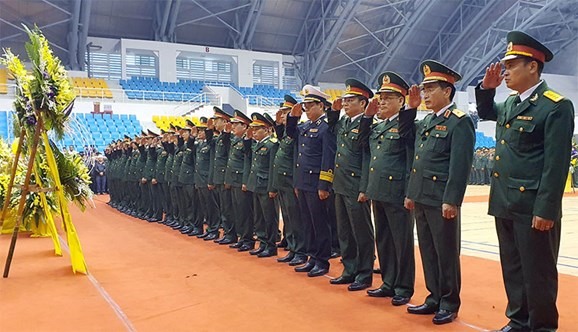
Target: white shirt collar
393, 117
264, 138
526, 94
357, 116
444, 109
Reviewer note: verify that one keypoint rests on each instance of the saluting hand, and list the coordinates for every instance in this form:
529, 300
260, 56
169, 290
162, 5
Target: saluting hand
493, 77
337, 104
211, 123
249, 133
228, 127
372, 107
542, 224
297, 110
279, 117
414, 99
194, 131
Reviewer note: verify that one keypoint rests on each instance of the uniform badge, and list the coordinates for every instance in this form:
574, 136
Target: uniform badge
313, 130
355, 131
524, 118
534, 97
441, 128
510, 47
263, 149
385, 80
393, 130
306, 91
426, 70
348, 88
254, 118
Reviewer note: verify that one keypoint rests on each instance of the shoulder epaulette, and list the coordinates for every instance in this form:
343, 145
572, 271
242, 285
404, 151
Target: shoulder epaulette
458, 113
553, 96
273, 140
514, 93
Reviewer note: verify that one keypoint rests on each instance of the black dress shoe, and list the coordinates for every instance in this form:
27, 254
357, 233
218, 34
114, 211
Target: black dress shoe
257, 251
211, 236
245, 247
218, 240
287, 258
399, 300
424, 309
195, 232
186, 229
267, 253
228, 241
444, 317
335, 254
202, 236
298, 260
357, 286
317, 272
380, 292
341, 280
236, 245
282, 244
305, 268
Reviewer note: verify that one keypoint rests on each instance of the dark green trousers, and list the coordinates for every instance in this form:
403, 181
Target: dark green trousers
332, 219
226, 210
243, 208
145, 197
266, 220
188, 202
210, 208
157, 198
356, 238
439, 246
165, 203
292, 225
174, 190
395, 249
529, 259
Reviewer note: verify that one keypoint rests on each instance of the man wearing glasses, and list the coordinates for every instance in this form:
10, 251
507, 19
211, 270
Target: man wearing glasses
444, 149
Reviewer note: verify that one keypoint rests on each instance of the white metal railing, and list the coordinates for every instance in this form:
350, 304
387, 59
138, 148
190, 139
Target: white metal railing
261, 101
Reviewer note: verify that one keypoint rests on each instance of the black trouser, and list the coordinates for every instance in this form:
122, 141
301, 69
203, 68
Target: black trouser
226, 209
165, 203
208, 202
157, 199
266, 220
356, 238
173, 188
332, 220
189, 216
243, 208
316, 227
528, 258
395, 247
292, 224
145, 197
439, 246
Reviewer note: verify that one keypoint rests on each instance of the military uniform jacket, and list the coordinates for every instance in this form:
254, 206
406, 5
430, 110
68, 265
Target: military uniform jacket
134, 172
350, 157
239, 163
149, 169
221, 145
204, 155
390, 162
315, 154
187, 171
170, 149
444, 148
263, 156
533, 143
160, 164
177, 162
284, 162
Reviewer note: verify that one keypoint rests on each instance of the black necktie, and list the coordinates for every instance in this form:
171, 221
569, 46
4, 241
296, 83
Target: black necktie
517, 100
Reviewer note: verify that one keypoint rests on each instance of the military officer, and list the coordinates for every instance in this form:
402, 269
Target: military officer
152, 214
313, 176
283, 181
444, 150
534, 127
209, 208
222, 143
172, 208
388, 171
187, 179
236, 176
260, 183
353, 212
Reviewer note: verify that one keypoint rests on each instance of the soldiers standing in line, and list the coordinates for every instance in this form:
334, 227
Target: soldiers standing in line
177, 188
534, 128
187, 180
236, 176
353, 211
443, 158
172, 213
313, 176
209, 208
259, 182
390, 163
222, 143
282, 174
154, 209
145, 195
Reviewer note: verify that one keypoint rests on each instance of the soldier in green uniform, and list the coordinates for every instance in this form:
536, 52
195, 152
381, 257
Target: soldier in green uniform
260, 183
187, 179
209, 208
352, 207
444, 150
176, 185
145, 197
148, 175
534, 129
222, 143
134, 177
159, 179
236, 176
282, 173
388, 172
170, 147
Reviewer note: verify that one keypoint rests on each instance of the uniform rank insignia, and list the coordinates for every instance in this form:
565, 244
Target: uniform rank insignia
164, 153
525, 118
393, 130
355, 131
534, 97
314, 130
447, 114
263, 149
553, 96
441, 128
458, 113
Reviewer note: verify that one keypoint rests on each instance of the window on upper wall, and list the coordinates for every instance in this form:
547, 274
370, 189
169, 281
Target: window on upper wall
199, 69
141, 65
105, 65
266, 74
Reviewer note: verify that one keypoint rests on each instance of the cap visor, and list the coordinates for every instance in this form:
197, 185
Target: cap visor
509, 57
347, 95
